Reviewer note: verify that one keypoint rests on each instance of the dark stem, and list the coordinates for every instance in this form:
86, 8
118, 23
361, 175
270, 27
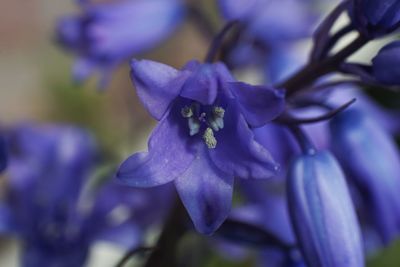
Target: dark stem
217, 41
334, 39
333, 84
244, 233
165, 250
322, 37
307, 147
313, 71
130, 254
289, 120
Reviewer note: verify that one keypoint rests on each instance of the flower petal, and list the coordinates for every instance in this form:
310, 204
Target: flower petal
202, 85
169, 156
156, 84
258, 104
206, 192
237, 153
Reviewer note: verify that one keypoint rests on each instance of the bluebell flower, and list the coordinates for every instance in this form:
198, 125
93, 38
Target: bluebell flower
56, 211
385, 65
264, 32
106, 34
322, 212
374, 18
372, 160
263, 18
203, 139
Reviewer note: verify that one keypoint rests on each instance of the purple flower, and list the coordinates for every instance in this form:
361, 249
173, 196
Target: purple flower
322, 212
106, 34
385, 65
375, 18
372, 160
264, 18
57, 211
203, 139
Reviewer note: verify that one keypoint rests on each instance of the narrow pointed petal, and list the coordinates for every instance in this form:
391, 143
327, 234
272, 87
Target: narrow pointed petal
322, 212
237, 153
169, 156
156, 84
206, 192
258, 104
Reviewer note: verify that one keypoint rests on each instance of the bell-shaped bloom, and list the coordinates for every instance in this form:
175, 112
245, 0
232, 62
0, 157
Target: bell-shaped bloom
106, 34
375, 18
203, 139
322, 212
56, 211
372, 159
3, 154
386, 64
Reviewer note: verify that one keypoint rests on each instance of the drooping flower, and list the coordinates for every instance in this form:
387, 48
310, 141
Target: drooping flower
375, 18
106, 34
203, 139
372, 160
322, 212
56, 211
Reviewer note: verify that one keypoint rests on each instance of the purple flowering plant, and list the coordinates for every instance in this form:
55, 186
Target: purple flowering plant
299, 166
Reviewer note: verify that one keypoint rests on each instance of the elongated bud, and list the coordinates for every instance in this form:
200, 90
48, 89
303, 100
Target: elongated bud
385, 64
371, 157
322, 212
375, 18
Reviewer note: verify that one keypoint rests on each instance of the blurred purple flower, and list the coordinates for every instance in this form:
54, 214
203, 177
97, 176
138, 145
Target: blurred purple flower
385, 65
56, 211
106, 34
322, 212
375, 18
203, 139
373, 162
263, 18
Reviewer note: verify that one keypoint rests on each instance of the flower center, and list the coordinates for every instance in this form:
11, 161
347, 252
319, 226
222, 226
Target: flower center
211, 117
